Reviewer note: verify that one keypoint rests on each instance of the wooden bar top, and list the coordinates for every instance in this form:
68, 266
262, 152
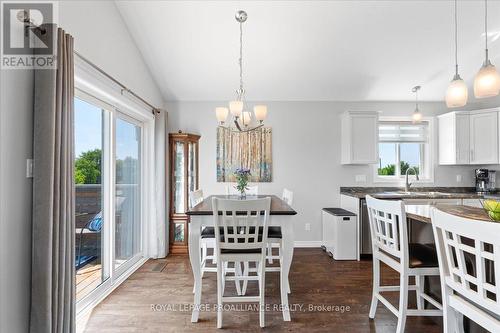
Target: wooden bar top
278, 206
422, 213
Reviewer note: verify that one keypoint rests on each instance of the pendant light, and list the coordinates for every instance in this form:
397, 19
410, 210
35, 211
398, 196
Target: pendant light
417, 115
487, 81
456, 94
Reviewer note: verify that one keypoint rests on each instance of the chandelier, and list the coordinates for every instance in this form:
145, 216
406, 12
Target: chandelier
241, 120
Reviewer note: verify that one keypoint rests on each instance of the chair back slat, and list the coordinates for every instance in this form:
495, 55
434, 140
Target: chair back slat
469, 258
388, 227
251, 190
287, 196
241, 224
195, 197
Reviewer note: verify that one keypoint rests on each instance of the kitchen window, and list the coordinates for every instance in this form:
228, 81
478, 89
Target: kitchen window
403, 145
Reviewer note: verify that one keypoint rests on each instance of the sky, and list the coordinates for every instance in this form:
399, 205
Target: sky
409, 153
88, 131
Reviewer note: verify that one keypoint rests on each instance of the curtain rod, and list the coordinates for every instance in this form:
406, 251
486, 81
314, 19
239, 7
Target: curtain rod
154, 110
29, 23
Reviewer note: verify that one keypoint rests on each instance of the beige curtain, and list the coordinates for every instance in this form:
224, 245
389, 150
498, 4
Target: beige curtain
53, 270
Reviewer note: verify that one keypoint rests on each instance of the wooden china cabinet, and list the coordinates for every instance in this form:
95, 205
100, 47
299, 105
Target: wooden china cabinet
183, 151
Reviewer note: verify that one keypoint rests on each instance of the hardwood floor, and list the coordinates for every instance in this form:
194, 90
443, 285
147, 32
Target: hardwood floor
166, 285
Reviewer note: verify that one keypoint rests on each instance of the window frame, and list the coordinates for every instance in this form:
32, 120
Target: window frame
426, 156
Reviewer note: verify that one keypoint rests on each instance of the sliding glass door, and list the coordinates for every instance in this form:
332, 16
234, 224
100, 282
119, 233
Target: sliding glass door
90, 178
108, 175
128, 135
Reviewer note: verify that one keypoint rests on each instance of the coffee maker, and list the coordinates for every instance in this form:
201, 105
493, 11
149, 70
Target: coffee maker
485, 180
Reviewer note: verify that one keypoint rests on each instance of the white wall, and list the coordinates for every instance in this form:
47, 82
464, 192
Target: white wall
306, 152
101, 36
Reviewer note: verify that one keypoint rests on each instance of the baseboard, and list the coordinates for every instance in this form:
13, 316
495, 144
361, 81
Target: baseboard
308, 243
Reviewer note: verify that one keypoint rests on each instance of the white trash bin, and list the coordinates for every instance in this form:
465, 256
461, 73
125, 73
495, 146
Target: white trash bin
339, 233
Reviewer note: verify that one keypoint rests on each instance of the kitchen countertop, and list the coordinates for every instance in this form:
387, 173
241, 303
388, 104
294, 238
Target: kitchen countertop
394, 192
422, 213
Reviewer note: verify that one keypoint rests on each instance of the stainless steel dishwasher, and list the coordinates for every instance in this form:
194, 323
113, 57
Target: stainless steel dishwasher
366, 241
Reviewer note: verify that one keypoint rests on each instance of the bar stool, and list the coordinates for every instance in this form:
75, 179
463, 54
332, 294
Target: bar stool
468, 291
389, 232
241, 236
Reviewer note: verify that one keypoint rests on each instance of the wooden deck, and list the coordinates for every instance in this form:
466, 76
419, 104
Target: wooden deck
87, 279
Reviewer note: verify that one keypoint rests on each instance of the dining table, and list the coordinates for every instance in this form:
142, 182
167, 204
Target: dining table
201, 216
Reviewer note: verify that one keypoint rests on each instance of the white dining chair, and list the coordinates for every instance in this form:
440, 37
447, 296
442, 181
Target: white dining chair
252, 190
241, 236
195, 197
274, 238
471, 291
389, 234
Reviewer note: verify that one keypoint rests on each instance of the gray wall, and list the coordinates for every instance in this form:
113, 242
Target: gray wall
101, 36
306, 152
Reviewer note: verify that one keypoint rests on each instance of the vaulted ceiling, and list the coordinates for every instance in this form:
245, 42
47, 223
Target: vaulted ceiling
310, 50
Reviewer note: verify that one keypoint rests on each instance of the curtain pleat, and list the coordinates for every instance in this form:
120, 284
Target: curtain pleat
53, 270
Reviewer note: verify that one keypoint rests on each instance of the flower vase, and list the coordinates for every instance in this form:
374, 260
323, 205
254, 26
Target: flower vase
243, 195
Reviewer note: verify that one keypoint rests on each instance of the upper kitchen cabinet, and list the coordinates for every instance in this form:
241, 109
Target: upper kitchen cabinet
469, 137
359, 136
484, 137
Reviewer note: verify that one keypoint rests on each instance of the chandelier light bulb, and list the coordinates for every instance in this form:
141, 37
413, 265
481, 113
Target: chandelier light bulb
456, 94
236, 107
221, 114
260, 112
246, 118
487, 81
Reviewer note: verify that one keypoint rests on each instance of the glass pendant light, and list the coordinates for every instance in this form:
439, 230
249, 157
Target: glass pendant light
417, 115
487, 81
456, 94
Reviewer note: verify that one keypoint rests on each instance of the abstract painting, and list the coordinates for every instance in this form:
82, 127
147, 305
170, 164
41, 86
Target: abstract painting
244, 149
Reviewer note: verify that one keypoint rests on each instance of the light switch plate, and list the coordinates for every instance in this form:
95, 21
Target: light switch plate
29, 168
459, 178
308, 226
360, 178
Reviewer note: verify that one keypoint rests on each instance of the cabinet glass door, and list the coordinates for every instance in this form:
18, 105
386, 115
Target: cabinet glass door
179, 178
192, 163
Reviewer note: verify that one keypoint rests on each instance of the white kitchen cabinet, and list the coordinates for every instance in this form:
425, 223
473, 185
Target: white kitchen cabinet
359, 136
484, 137
453, 138
469, 137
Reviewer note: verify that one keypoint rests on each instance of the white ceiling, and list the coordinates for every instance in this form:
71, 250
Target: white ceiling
309, 50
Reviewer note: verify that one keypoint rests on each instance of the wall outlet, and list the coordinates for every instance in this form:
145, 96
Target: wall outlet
360, 178
459, 178
308, 227
29, 168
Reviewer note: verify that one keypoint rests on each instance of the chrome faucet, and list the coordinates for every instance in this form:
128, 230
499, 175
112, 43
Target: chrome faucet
408, 184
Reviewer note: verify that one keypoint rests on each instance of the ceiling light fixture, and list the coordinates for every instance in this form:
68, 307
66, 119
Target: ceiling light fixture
242, 120
487, 81
456, 94
417, 115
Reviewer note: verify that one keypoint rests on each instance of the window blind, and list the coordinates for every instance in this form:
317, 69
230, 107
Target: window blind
396, 132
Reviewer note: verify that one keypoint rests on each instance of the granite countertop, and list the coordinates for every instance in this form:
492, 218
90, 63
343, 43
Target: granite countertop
414, 193
422, 213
